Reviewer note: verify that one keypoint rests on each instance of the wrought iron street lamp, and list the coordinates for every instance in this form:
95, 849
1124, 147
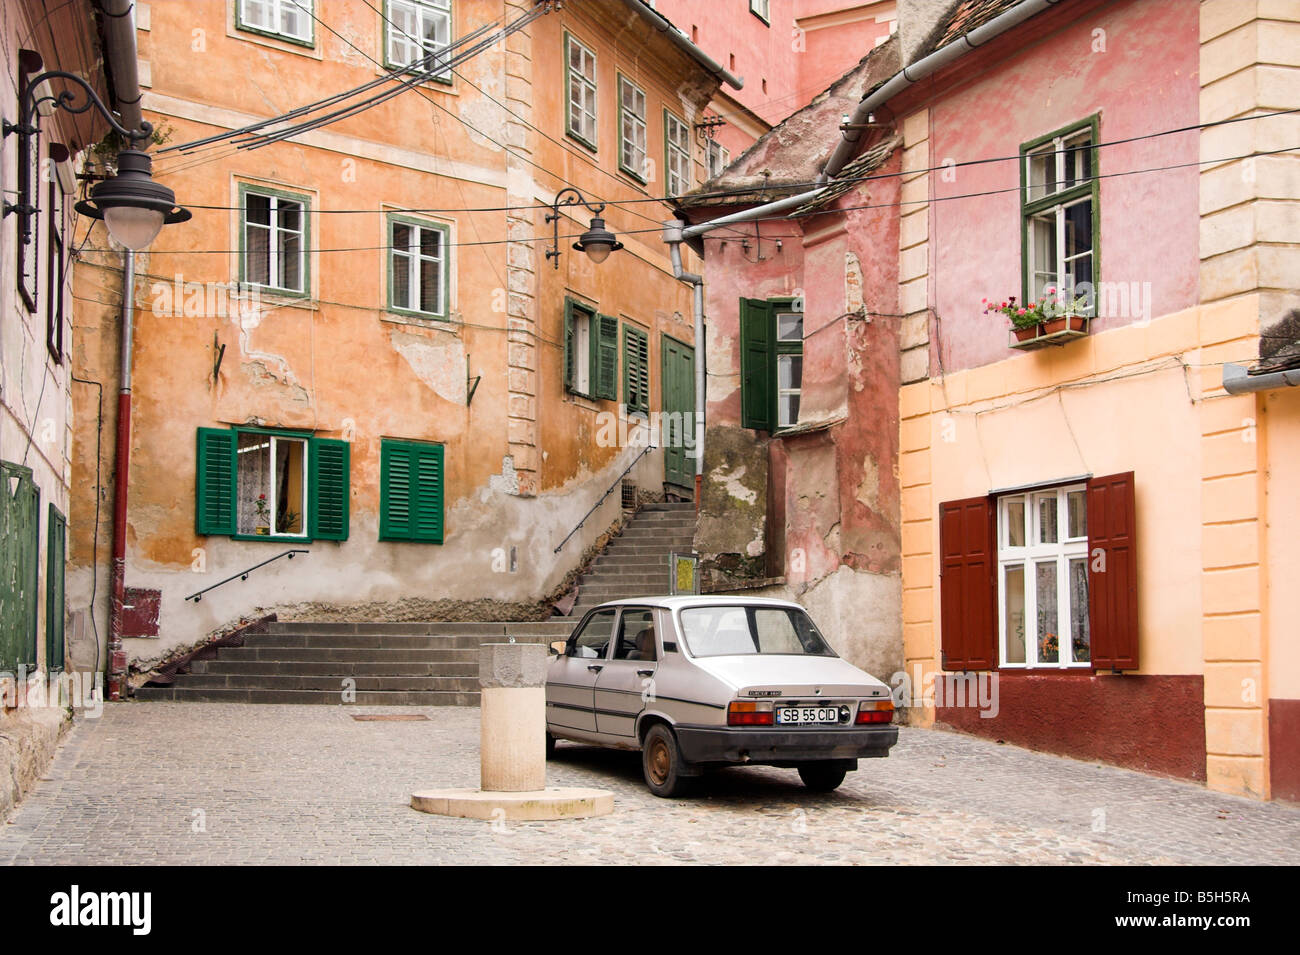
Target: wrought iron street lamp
597, 241
132, 205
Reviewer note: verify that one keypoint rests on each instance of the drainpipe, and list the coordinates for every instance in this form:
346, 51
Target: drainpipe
120, 48
1237, 380
922, 68
676, 231
117, 573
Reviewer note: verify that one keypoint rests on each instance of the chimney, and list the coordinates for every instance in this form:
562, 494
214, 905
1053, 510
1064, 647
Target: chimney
917, 22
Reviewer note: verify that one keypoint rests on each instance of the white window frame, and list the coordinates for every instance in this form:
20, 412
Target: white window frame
583, 330
274, 11
272, 505
1064, 275
718, 157
761, 9
418, 260
677, 155
636, 164
1034, 552
587, 87
414, 49
276, 230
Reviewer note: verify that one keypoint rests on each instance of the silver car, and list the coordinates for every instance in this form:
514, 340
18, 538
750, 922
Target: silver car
700, 682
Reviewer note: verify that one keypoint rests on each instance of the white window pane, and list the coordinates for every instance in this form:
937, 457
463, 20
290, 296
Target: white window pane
1080, 639
789, 326
257, 255
1016, 523
401, 280
1045, 595
253, 483
1013, 577
1076, 514
1047, 518
289, 485
1042, 236
430, 287
788, 410
1041, 173
789, 371
291, 262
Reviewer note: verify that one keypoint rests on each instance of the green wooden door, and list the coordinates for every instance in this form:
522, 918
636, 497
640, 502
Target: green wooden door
20, 502
677, 426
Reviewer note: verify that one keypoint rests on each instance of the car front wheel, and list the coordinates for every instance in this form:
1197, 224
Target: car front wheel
661, 761
822, 777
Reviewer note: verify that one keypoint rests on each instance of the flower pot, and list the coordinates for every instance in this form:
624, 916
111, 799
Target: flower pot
1074, 323
1026, 333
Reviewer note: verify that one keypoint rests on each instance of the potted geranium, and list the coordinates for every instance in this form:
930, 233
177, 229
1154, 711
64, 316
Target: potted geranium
1061, 314
1024, 318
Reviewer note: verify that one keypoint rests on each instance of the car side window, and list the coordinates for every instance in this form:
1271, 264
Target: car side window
592, 640
636, 636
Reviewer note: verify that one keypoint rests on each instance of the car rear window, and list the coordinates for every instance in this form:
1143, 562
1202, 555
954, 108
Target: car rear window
734, 631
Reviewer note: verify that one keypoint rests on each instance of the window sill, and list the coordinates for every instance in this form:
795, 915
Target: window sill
273, 538
1056, 332
281, 37
579, 139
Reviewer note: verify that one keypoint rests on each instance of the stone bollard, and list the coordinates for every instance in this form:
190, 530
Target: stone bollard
512, 749
512, 737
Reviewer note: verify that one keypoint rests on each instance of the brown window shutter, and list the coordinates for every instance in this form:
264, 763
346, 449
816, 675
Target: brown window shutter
967, 587
1112, 572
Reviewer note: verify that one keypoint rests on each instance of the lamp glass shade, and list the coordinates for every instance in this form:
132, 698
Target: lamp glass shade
597, 251
133, 226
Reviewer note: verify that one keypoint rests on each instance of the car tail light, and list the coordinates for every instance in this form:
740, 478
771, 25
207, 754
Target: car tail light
749, 713
875, 711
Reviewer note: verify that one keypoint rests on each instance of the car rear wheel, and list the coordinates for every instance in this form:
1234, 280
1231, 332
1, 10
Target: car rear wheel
661, 762
822, 777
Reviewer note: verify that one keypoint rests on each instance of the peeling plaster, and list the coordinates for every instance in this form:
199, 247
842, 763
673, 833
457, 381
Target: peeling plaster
731, 483
507, 481
441, 367
869, 487
852, 282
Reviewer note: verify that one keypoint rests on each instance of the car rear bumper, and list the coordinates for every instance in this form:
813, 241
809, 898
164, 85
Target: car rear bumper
710, 744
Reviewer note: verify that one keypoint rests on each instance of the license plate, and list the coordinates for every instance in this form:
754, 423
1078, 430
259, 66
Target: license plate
801, 715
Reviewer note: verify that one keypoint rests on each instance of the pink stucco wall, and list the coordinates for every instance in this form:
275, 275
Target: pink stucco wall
1144, 81
762, 51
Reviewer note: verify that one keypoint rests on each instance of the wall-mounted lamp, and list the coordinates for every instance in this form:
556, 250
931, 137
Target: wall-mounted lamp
132, 205
597, 241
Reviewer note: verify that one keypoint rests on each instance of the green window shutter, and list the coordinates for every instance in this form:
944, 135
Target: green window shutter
428, 498
756, 364
636, 370
569, 357
19, 565
606, 357
411, 492
214, 497
328, 489
55, 604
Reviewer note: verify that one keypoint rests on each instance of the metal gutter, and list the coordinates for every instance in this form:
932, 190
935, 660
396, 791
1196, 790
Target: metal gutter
924, 67
1237, 380
679, 39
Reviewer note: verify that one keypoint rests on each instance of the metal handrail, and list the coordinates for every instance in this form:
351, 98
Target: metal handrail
243, 574
618, 480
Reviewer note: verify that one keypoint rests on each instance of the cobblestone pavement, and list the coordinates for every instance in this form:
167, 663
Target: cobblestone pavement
308, 784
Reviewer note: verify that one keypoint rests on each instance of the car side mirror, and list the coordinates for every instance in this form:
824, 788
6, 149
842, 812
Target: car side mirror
557, 648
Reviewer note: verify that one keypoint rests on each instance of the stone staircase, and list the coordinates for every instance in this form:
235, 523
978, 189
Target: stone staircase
418, 664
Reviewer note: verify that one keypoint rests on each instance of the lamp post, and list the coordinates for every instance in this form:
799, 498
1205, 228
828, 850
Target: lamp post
597, 241
132, 205
134, 208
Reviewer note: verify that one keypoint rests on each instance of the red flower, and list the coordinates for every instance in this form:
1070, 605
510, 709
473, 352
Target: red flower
261, 497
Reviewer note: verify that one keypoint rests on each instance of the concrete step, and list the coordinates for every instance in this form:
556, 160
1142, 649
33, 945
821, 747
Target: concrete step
466, 667
624, 579
330, 682
322, 697
344, 655
416, 628
358, 641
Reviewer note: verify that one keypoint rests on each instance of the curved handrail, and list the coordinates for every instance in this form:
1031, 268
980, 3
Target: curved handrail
618, 480
243, 574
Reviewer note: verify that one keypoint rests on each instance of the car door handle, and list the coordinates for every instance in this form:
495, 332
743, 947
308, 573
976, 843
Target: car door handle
645, 672
595, 667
